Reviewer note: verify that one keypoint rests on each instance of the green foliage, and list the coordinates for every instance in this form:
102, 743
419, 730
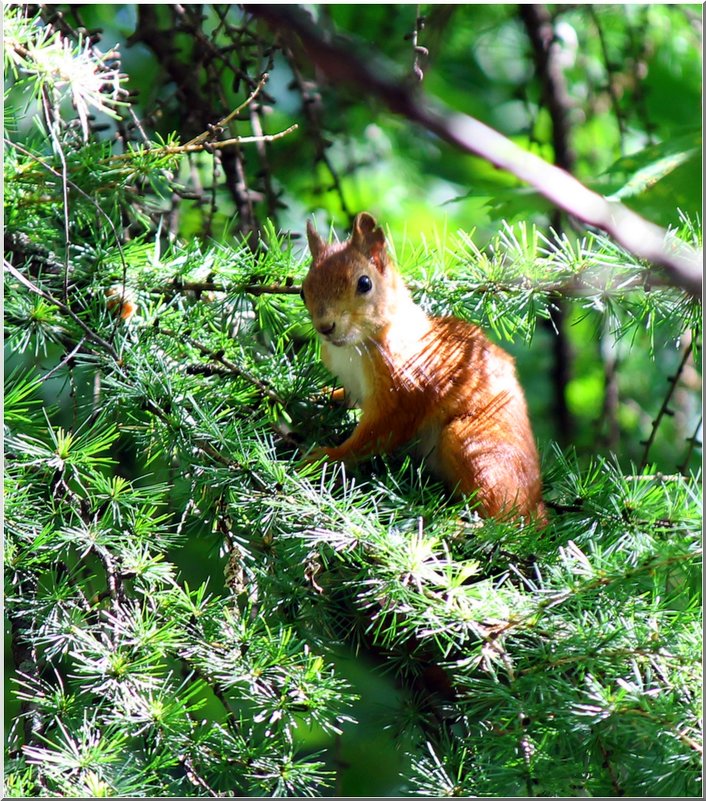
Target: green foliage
194, 610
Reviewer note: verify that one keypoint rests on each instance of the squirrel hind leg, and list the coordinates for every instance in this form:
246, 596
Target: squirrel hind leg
503, 480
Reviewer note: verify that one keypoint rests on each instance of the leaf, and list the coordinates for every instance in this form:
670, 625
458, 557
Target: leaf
632, 175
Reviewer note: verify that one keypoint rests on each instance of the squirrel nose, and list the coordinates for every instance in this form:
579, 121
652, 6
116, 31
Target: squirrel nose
325, 328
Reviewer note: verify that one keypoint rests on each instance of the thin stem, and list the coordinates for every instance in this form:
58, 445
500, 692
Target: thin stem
694, 442
418, 52
311, 103
202, 137
64, 361
249, 289
52, 121
608, 765
614, 101
664, 409
198, 147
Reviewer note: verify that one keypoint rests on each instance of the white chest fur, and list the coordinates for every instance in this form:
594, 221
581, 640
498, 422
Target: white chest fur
348, 364
401, 346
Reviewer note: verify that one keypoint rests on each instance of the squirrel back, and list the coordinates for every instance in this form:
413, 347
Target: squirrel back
437, 381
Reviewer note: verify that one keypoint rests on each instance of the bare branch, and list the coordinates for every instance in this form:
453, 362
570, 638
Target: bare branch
66, 360
420, 53
542, 35
311, 107
196, 147
202, 137
540, 30
237, 140
339, 60
664, 409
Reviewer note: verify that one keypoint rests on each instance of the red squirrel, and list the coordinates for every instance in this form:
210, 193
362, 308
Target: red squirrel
436, 380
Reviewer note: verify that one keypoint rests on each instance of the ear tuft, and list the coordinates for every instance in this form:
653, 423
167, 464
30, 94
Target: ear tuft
316, 243
369, 239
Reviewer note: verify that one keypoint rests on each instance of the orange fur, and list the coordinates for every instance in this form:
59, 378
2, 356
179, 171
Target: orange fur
119, 298
438, 381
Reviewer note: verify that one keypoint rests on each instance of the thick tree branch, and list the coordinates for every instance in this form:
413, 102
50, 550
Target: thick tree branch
540, 30
538, 24
338, 58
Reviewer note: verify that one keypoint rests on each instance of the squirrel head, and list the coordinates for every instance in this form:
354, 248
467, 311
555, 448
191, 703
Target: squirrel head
352, 288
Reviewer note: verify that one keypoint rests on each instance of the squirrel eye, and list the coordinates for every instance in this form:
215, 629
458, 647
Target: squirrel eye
364, 285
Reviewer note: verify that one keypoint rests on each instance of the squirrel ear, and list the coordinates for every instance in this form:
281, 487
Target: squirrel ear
316, 243
369, 239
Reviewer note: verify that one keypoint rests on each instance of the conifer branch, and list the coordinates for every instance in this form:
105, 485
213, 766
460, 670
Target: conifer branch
90, 334
196, 779
25, 658
99, 210
219, 357
197, 147
211, 286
